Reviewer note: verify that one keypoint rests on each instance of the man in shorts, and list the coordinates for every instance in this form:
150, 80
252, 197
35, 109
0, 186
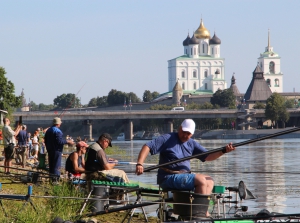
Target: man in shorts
174, 146
9, 137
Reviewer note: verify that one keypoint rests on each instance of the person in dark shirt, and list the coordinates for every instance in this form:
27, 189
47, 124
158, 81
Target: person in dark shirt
22, 143
98, 164
75, 164
55, 142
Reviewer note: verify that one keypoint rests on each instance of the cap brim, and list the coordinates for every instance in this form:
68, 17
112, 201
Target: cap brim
187, 130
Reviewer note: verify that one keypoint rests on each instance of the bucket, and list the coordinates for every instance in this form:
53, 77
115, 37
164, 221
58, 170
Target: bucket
199, 203
98, 193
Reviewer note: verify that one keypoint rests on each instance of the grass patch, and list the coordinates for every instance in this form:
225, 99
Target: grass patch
52, 203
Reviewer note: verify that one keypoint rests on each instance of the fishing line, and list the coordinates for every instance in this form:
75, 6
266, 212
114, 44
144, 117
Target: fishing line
64, 110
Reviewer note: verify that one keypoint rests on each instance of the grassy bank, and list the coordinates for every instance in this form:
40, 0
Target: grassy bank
49, 201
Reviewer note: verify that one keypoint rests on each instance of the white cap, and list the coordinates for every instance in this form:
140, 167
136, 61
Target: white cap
188, 125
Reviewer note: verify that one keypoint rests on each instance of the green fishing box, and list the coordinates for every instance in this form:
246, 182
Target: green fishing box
219, 190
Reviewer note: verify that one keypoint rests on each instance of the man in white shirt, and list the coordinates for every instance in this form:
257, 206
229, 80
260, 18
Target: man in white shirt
9, 137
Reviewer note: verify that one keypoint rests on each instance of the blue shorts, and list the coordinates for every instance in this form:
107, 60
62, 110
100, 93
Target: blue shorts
183, 181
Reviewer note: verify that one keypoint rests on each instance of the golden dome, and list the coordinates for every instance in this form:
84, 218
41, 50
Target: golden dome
202, 32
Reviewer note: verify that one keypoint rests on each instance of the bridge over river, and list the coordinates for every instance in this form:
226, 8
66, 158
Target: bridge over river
45, 118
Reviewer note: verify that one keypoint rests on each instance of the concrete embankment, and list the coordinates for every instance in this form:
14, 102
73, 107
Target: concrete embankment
245, 134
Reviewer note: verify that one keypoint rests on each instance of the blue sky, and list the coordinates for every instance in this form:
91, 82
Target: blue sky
52, 47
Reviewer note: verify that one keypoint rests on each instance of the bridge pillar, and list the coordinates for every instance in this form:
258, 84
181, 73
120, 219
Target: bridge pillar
128, 129
168, 125
87, 128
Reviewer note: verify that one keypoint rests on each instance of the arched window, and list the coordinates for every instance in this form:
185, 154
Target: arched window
276, 83
269, 82
191, 51
205, 73
183, 86
194, 51
194, 74
185, 51
205, 86
212, 50
203, 48
182, 74
272, 67
195, 86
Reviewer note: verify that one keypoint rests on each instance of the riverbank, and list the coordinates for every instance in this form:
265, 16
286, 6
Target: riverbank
244, 134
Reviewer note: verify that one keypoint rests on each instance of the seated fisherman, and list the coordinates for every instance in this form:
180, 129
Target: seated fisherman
75, 164
174, 146
99, 165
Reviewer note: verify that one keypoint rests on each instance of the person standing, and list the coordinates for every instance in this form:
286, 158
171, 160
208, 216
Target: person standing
35, 144
9, 137
22, 143
55, 142
29, 140
175, 146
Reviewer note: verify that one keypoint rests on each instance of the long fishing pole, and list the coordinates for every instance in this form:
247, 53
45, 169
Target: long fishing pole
224, 147
64, 110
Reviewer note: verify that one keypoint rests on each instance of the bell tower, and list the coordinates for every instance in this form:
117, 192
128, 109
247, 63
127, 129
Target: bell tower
269, 62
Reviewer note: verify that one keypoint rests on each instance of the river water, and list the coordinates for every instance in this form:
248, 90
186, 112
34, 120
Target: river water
269, 169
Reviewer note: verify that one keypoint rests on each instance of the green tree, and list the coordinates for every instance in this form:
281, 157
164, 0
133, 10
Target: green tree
8, 100
42, 106
66, 101
154, 94
132, 97
147, 96
224, 98
259, 105
92, 102
290, 103
118, 97
98, 101
275, 109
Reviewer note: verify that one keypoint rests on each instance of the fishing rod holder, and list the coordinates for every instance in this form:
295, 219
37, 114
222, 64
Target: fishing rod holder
25, 198
234, 196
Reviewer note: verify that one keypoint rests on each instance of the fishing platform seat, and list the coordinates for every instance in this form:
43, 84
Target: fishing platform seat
105, 193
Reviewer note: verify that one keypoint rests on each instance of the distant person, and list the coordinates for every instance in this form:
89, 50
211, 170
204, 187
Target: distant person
55, 142
9, 137
75, 164
23, 146
35, 145
29, 140
99, 164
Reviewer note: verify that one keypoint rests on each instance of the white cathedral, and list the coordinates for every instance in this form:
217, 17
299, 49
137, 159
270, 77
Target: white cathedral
201, 70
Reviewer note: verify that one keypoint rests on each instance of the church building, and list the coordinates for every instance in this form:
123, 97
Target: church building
201, 69
269, 62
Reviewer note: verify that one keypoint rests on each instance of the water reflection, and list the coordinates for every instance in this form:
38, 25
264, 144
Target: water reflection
269, 169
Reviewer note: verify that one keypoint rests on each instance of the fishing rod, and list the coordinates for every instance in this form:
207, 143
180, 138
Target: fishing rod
132, 163
224, 147
128, 207
64, 110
